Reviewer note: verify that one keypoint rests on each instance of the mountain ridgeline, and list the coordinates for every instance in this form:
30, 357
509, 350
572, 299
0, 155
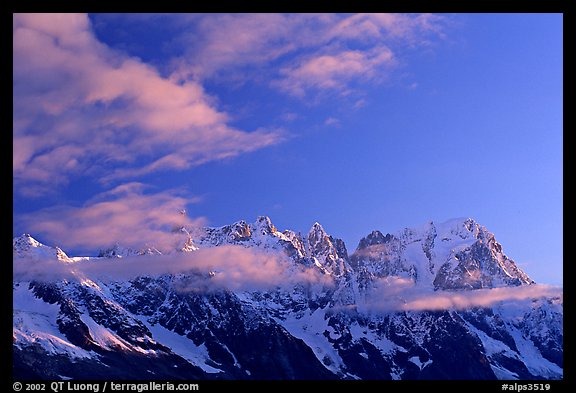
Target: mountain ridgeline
437, 302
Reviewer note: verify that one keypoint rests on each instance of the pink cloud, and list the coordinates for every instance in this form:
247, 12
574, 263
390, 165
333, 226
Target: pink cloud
231, 267
74, 93
411, 29
332, 121
401, 294
124, 214
334, 71
238, 269
226, 267
71, 91
233, 40
444, 300
216, 144
310, 50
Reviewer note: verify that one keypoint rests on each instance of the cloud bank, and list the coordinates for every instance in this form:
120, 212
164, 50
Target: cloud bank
125, 214
487, 297
82, 107
225, 267
238, 269
400, 294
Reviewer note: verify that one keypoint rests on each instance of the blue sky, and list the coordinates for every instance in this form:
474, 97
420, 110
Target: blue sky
359, 122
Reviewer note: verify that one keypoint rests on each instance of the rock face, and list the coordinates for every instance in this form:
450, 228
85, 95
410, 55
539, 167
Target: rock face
162, 327
458, 254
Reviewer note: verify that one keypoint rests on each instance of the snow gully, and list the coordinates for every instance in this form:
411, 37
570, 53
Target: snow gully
75, 386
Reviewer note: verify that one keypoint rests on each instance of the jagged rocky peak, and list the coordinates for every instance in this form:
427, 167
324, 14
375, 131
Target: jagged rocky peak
340, 247
452, 255
482, 264
239, 231
407, 235
264, 225
295, 246
317, 228
186, 244
242, 231
463, 228
478, 260
25, 246
329, 253
61, 255
469, 223
24, 242
116, 251
318, 240
375, 237
261, 233
119, 251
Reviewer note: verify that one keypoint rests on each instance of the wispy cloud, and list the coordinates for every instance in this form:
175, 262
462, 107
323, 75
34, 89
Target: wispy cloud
400, 294
414, 29
125, 214
332, 121
226, 267
333, 71
444, 300
230, 41
238, 268
304, 53
80, 105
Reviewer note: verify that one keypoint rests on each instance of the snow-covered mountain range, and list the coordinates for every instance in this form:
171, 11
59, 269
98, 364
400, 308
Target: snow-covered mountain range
247, 301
